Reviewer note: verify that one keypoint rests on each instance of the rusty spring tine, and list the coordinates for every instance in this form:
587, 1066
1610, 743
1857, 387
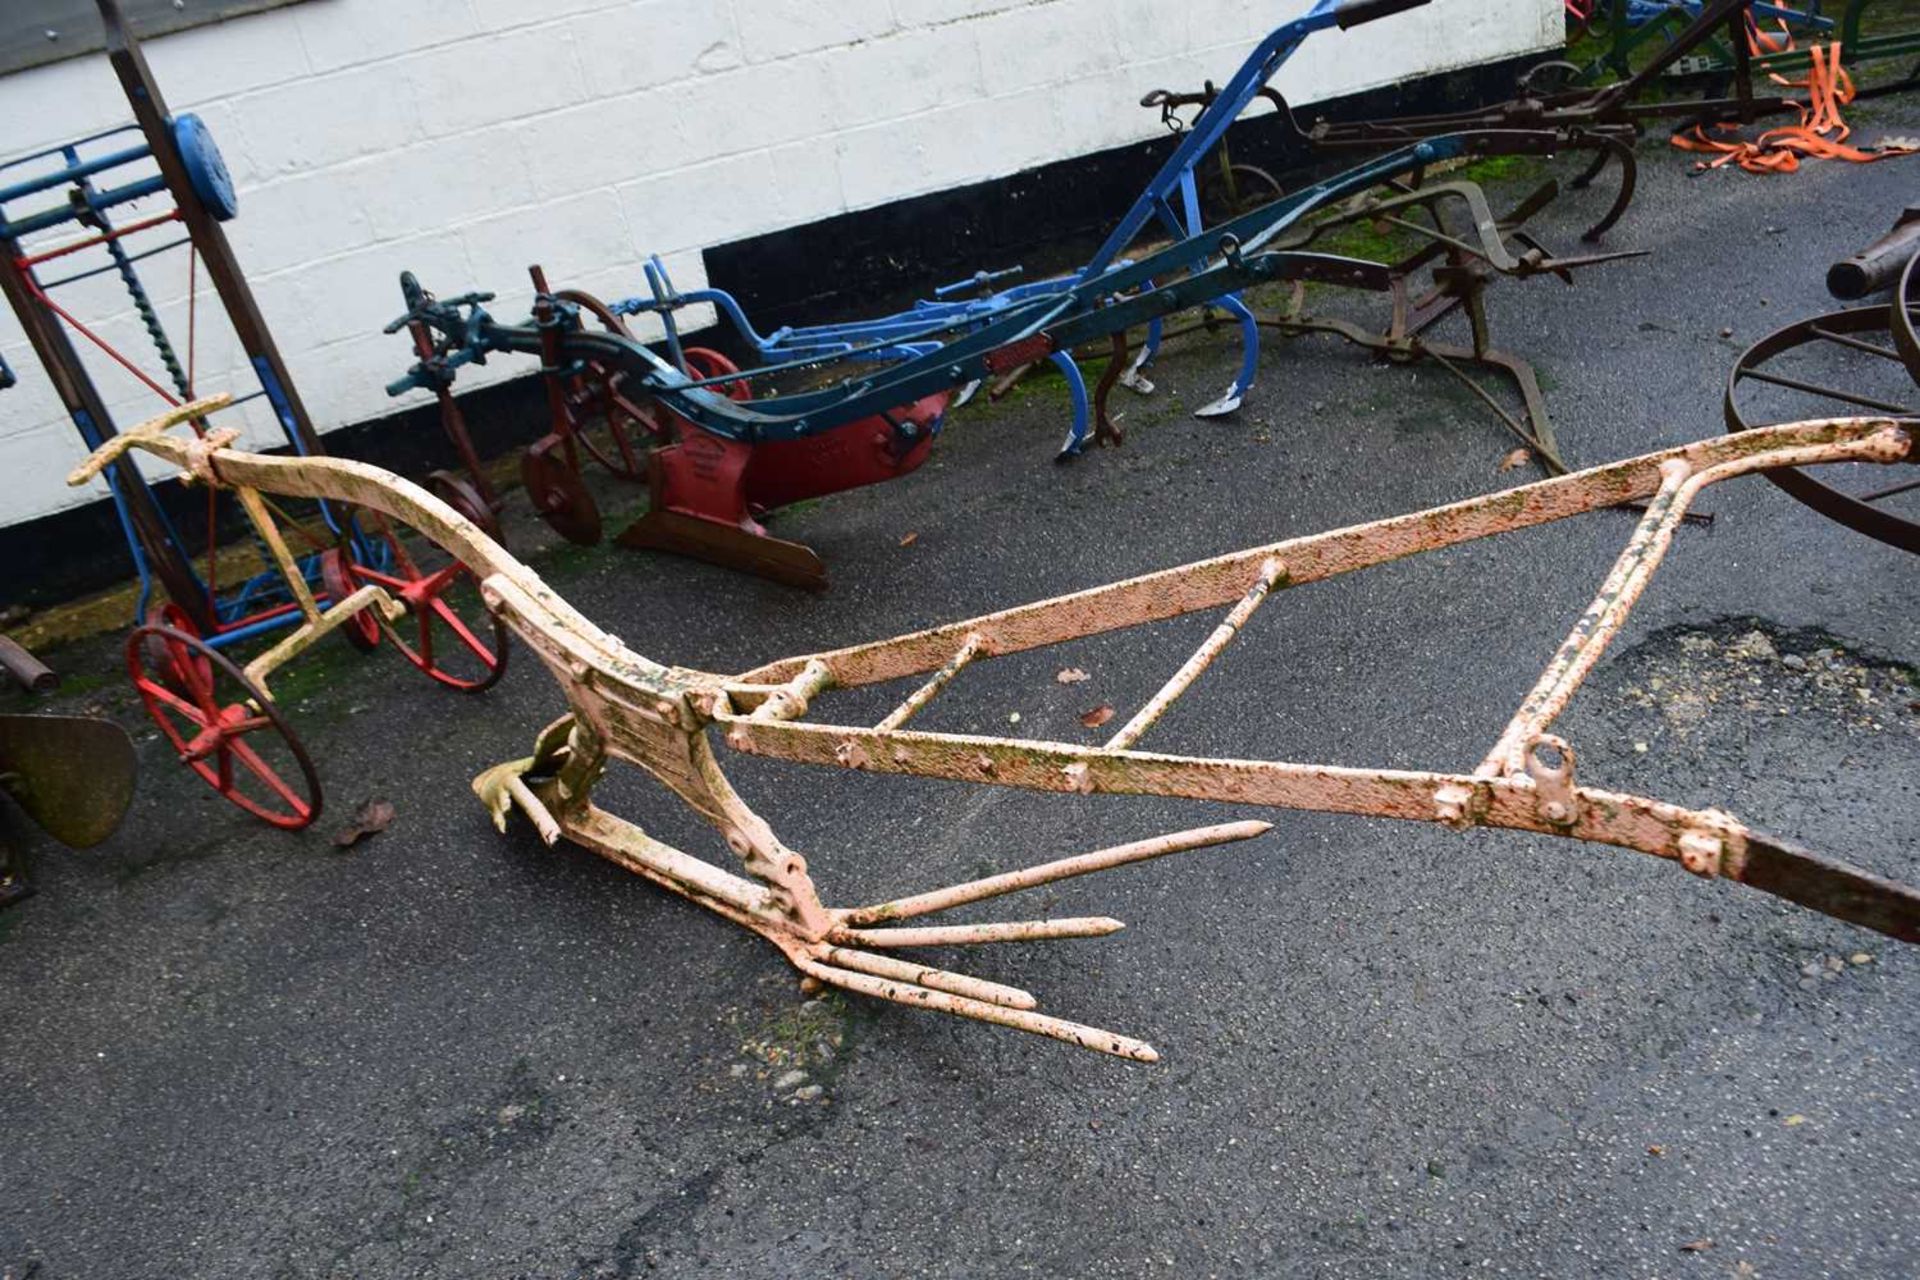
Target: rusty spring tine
1271, 572
919, 698
908, 993
958, 984
966, 935
960, 895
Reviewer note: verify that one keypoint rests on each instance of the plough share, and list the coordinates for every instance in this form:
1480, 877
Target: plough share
669, 721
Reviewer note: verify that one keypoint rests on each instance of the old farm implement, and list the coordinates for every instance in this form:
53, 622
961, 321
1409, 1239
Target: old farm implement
1849, 361
1713, 52
109, 205
72, 775
879, 388
673, 722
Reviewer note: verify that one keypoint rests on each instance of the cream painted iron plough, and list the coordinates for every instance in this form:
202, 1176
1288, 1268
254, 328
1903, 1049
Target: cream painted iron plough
669, 720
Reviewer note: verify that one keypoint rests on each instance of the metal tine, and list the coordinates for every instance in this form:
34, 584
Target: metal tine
920, 975
919, 698
1271, 571
1041, 1024
960, 895
963, 935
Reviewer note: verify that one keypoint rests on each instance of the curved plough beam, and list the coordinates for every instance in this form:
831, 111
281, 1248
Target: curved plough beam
623, 706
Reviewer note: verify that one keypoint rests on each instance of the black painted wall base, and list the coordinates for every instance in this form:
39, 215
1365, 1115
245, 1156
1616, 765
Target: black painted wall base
1046, 219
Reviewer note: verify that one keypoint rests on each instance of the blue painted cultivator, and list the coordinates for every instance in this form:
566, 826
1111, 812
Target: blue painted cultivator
725, 455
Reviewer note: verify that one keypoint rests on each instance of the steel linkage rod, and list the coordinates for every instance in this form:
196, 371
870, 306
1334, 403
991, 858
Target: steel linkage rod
1270, 573
919, 698
960, 895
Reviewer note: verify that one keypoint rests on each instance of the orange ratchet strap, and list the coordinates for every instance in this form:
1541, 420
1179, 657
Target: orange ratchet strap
1822, 132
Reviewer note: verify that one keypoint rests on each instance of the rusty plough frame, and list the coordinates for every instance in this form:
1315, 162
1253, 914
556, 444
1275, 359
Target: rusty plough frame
623, 706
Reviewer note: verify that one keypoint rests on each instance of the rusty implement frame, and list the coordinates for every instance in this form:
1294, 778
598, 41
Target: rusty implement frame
669, 721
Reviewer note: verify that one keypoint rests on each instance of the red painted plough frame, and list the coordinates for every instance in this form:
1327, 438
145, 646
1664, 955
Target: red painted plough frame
668, 720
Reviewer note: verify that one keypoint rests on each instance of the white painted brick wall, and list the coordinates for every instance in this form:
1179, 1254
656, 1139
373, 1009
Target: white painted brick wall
465, 139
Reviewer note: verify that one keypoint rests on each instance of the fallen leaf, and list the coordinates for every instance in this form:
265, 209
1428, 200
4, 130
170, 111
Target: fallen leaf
1697, 1246
1656, 1150
907, 540
1098, 716
1518, 458
1794, 1121
1745, 1268
1072, 675
371, 818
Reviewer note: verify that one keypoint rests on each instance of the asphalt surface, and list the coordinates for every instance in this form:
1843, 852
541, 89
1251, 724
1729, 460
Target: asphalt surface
1389, 1050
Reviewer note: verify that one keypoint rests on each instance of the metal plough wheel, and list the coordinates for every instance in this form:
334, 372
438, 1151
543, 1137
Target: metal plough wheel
597, 399
1861, 361
448, 631
223, 726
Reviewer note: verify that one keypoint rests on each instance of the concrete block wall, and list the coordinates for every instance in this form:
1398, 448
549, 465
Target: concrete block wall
465, 139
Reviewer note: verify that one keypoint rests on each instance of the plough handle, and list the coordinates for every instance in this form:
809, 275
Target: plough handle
109, 452
1354, 12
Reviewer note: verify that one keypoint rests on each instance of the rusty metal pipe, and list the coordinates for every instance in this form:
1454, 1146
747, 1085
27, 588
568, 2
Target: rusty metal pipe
1877, 266
29, 671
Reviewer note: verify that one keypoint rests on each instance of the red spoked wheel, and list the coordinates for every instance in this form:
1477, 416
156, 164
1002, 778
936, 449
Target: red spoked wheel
558, 493
597, 400
448, 631
159, 658
362, 630
460, 493
224, 727
705, 362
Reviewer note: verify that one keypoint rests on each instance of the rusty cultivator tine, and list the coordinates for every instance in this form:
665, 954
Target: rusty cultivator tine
623, 706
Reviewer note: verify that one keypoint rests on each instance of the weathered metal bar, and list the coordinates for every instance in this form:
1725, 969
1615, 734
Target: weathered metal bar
957, 984
1074, 1033
919, 698
1270, 573
1634, 569
301, 638
1204, 584
960, 895
790, 701
23, 667
965, 935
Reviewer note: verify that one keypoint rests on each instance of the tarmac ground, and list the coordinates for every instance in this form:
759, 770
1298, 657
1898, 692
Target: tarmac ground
1388, 1050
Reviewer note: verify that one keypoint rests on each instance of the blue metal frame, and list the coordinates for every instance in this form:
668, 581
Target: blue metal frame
1806, 18
913, 333
951, 350
89, 206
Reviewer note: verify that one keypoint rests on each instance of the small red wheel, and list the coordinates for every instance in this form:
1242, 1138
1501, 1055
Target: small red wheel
558, 492
459, 493
224, 727
704, 362
159, 658
362, 630
448, 631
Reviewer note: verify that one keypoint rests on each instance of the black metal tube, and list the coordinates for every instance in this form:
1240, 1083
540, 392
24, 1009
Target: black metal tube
1878, 265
